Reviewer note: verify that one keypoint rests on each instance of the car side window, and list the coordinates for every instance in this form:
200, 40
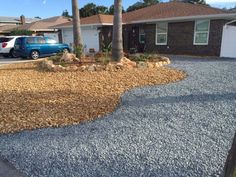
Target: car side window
30, 40
41, 40
51, 41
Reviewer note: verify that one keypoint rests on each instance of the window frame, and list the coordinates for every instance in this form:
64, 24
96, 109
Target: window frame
166, 34
140, 34
201, 32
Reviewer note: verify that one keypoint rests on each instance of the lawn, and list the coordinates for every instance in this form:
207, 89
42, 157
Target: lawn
32, 98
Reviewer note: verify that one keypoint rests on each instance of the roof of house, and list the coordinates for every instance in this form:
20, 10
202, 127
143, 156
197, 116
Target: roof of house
95, 19
6, 28
4, 19
160, 11
45, 24
171, 10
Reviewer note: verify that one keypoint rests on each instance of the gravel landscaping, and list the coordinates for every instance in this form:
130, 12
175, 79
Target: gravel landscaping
174, 130
31, 98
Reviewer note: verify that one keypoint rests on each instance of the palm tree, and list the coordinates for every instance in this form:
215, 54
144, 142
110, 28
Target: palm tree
117, 40
76, 25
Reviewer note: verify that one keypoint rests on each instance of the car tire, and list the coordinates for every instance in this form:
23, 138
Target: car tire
34, 54
13, 54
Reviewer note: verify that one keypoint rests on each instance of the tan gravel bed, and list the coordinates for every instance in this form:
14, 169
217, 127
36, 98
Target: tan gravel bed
30, 98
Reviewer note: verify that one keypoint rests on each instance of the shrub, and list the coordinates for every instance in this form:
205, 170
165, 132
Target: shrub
21, 32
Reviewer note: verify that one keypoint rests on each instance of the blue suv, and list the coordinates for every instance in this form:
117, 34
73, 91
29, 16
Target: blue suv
35, 47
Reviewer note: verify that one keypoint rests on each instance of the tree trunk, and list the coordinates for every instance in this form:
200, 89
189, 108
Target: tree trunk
76, 24
117, 39
230, 164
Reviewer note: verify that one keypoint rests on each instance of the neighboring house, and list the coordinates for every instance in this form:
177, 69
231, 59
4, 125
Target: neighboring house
43, 27
9, 23
16, 20
168, 28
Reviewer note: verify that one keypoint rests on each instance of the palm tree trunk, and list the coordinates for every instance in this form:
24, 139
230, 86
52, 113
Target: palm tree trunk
76, 24
117, 39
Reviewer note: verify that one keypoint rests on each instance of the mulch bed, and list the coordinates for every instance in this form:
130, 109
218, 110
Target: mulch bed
32, 98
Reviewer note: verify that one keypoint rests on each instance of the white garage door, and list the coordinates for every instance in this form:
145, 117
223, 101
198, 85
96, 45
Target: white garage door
228, 46
90, 38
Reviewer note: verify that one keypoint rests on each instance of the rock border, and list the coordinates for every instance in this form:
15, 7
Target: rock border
124, 63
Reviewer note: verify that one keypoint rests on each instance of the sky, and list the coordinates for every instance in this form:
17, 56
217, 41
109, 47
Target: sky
49, 8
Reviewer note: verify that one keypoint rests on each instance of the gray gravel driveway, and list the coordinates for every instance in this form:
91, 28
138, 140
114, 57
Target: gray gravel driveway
181, 129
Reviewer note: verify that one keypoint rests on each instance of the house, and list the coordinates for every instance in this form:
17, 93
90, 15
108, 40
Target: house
42, 27
96, 30
166, 28
9, 23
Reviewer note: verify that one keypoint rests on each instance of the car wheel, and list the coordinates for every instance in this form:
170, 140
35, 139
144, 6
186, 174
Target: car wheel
34, 54
13, 53
65, 51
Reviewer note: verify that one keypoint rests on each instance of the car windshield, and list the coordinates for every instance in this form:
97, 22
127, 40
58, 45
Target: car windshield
5, 39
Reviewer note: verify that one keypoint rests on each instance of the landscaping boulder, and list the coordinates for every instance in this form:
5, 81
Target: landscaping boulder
165, 60
119, 66
128, 63
92, 68
69, 58
100, 68
83, 68
47, 64
58, 68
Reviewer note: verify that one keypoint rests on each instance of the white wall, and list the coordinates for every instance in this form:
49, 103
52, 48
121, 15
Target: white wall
228, 45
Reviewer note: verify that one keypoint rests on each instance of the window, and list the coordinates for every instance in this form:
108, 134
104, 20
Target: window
30, 40
40, 40
5, 39
161, 33
141, 35
201, 32
51, 41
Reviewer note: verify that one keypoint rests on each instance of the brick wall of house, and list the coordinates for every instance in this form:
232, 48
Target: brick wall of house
181, 36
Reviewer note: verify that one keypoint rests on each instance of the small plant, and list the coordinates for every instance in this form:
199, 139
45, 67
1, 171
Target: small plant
105, 56
78, 51
56, 58
141, 57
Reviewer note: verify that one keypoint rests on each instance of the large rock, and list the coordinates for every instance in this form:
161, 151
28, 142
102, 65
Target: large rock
69, 58
58, 68
92, 68
128, 63
165, 60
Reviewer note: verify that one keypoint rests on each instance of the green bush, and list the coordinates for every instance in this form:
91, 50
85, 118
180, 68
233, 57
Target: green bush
21, 32
141, 57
